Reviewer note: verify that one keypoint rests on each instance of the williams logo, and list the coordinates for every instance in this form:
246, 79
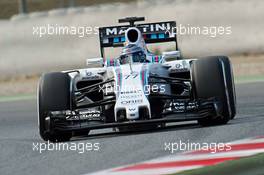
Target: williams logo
132, 109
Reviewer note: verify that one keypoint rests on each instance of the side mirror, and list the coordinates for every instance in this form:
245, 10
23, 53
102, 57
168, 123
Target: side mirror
95, 62
171, 55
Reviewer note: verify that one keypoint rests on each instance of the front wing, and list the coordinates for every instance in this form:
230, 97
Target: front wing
176, 112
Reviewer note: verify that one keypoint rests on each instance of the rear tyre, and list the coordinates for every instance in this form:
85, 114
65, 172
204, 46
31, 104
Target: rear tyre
53, 95
210, 78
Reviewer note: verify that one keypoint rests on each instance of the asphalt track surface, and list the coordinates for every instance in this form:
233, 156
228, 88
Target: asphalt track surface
18, 132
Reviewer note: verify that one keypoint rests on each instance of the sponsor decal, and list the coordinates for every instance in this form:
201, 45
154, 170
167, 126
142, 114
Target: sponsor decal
118, 78
131, 92
180, 67
132, 75
88, 73
83, 115
132, 109
143, 76
145, 28
131, 96
128, 102
182, 106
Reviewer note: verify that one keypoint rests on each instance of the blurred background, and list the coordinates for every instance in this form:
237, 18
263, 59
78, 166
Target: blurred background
25, 55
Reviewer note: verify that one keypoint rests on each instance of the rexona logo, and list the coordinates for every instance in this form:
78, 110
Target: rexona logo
127, 102
157, 27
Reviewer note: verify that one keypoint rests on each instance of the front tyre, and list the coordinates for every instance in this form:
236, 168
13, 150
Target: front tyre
230, 84
211, 78
53, 95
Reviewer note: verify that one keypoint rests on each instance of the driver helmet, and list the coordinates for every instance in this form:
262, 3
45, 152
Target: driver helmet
134, 53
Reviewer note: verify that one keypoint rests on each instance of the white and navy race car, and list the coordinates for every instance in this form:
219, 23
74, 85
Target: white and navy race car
136, 90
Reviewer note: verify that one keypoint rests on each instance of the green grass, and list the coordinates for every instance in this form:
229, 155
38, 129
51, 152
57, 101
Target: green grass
17, 97
245, 166
249, 79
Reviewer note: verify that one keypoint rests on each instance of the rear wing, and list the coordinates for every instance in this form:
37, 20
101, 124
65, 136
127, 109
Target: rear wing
114, 36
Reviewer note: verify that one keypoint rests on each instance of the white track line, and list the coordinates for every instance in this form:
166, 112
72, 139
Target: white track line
186, 156
147, 172
207, 156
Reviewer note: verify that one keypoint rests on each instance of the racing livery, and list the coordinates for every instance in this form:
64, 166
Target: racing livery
136, 90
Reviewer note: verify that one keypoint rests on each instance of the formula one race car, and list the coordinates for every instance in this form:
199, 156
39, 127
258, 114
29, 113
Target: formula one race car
138, 89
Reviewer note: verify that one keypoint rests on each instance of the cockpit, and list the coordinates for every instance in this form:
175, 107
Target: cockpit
139, 57
133, 54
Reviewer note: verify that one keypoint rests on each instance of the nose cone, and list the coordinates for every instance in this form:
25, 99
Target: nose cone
131, 97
